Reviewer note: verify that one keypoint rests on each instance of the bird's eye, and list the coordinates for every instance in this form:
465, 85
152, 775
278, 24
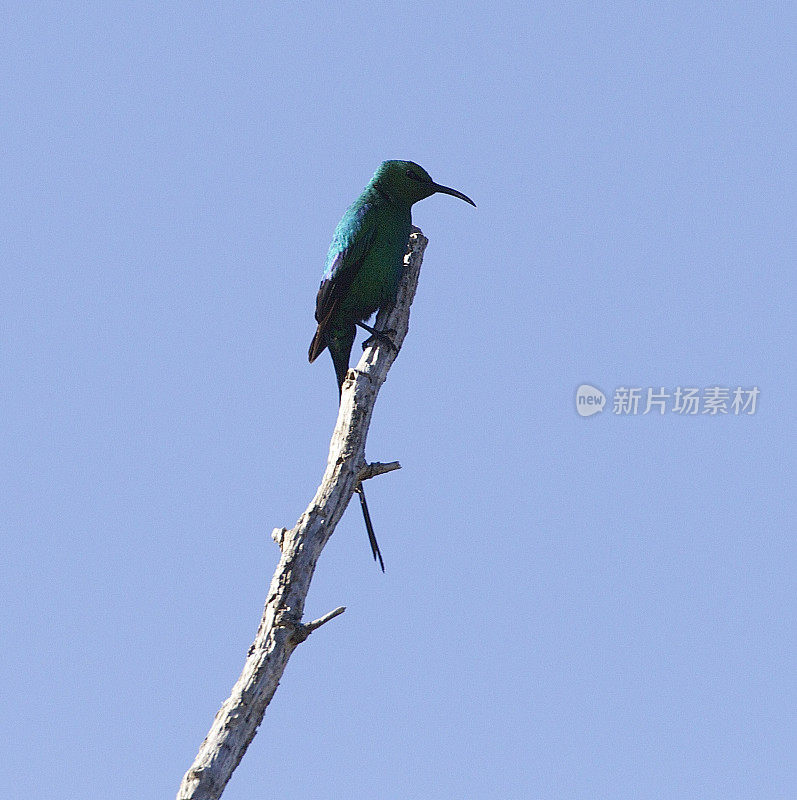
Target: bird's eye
413, 175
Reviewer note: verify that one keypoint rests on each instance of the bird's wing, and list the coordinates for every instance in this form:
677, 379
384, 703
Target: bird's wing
353, 239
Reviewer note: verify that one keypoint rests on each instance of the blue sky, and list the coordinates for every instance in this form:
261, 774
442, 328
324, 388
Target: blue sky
573, 608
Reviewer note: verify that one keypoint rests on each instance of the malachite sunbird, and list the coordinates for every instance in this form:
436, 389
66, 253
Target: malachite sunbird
364, 266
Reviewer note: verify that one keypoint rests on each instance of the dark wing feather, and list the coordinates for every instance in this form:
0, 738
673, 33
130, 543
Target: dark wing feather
342, 271
353, 239
343, 264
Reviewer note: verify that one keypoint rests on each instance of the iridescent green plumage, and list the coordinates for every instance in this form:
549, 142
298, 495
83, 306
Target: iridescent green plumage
364, 266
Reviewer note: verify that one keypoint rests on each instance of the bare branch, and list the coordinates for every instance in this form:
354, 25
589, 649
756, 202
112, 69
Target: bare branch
281, 628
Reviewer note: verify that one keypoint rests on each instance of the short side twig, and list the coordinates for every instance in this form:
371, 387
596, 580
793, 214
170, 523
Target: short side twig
375, 468
303, 631
281, 629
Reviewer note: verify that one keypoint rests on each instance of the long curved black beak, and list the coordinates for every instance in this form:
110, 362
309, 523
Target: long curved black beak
453, 193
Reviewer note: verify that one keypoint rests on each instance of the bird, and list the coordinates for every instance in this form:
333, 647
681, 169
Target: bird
363, 269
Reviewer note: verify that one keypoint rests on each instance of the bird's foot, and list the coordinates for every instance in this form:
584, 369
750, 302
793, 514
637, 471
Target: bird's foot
380, 336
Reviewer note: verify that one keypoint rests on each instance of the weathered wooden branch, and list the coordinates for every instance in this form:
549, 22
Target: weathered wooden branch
281, 628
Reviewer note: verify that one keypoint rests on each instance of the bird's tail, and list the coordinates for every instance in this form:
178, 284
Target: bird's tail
370, 528
318, 344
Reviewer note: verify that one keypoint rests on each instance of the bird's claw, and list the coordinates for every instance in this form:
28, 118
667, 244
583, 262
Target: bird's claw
383, 337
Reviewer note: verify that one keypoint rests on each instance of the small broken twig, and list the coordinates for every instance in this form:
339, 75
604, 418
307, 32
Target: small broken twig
303, 631
375, 468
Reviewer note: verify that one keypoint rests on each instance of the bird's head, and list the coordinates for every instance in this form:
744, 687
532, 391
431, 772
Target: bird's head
407, 182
